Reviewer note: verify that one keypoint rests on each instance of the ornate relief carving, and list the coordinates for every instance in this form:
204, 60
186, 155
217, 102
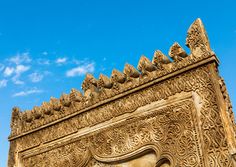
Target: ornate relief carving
197, 80
197, 39
192, 137
177, 53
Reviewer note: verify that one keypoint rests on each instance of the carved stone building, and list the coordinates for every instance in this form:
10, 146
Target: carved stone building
167, 113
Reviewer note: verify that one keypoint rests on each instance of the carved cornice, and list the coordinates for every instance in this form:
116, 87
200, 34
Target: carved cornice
105, 89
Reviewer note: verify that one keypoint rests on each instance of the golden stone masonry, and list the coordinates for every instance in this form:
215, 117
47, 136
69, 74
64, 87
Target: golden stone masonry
165, 113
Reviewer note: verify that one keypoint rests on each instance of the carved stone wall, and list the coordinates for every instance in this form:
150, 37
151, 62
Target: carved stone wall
166, 114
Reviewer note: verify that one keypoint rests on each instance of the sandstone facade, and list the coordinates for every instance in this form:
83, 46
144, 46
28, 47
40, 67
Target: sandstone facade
165, 113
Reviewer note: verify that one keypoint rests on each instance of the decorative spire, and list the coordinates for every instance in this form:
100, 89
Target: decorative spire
197, 39
65, 100
117, 76
55, 103
177, 53
88, 82
104, 82
159, 59
130, 72
76, 96
145, 65
37, 112
47, 108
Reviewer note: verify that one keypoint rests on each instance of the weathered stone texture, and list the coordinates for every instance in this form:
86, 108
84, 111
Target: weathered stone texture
164, 113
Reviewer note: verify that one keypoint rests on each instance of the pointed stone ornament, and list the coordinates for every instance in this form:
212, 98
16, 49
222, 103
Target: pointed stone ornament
15, 118
89, 86
47, 109
89, 82
76, 95
104, 81
27, 116
145, 65
65, 100
177, 53
117, 76
197, 39
130, 71
159, 58
55, 103
37, 112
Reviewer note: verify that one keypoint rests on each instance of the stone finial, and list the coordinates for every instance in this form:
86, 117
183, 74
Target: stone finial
15, 116
104, 82
145, 65
88, 82
130, 71
76, 96
37, 112
65, 100
177, 53
89, 86
27, 116
55, 103
197, 39
47, 108
159, 58
117, 76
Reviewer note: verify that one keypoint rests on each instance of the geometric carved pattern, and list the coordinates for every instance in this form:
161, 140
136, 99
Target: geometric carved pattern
175, 112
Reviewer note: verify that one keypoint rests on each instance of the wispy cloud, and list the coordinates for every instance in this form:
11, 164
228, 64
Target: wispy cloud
45, 53
20, 58
43, 61
61, 60
35, 77
28, 92
18, 71
81, 70
8, 71
3, 83
21, 69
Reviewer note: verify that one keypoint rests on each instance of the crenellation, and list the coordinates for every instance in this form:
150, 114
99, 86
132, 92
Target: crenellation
177, 53
160, 60
145, 65
116, 118
130, 72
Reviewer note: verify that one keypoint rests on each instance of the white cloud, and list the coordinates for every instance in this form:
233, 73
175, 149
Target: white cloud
21, 69
20, 58
45, 53
61, 60
8, 71
81, 70
43, 61
36, 77
3, 83
28, 92
18, 71
17, 81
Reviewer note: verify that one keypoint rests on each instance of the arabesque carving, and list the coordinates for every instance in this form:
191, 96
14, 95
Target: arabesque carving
178, 110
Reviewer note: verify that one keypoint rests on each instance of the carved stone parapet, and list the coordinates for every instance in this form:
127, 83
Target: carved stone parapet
177, 53
55, 104
172, 115
197, 39
65, 100
130, 72
159, 59
89, 86
104, 82
76, 96
145, 65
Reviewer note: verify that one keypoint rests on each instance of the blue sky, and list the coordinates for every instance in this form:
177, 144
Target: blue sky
47, 46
